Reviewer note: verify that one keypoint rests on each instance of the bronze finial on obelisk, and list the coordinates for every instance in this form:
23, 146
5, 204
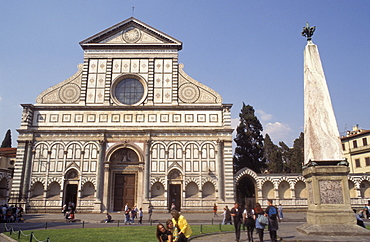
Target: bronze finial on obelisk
308, 31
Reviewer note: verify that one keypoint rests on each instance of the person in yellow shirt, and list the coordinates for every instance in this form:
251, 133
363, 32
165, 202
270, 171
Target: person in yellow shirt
184, 230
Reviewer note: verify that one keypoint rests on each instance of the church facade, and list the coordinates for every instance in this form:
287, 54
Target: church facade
129, 127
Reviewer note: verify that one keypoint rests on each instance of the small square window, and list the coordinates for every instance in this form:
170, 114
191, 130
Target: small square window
357, 161
364, 141
367, 161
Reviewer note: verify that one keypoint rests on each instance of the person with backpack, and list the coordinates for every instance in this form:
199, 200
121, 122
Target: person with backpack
258, 213
248, 220
273, 219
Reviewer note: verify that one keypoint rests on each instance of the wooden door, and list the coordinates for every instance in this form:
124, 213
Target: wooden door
71, 194
124, 191
175, 196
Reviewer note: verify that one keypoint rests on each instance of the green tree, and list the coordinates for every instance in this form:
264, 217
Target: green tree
273, 156
7, 142
286, 153
297, 158
293, 157
249, 141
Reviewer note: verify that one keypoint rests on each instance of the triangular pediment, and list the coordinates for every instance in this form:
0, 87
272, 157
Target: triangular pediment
131, 33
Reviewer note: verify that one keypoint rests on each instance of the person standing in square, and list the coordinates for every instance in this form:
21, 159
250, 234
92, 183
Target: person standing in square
237, 214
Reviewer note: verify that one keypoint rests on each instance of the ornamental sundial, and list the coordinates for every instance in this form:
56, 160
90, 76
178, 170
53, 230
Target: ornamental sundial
131, 35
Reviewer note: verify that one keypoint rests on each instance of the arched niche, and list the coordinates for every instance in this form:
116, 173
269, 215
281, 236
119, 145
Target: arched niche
191, 190
268, 190
284, 191
208, 190
157, 190
300, 190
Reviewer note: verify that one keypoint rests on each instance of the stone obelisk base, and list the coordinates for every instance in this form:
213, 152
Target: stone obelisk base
329, 206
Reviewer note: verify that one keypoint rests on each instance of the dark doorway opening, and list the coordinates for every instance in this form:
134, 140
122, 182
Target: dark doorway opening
175, 196
124, 191
71, 194
246, 191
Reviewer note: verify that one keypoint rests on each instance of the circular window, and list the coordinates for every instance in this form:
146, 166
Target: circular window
129, 91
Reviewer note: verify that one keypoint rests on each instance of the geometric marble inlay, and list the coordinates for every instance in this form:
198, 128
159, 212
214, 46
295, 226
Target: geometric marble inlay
128, 118
201, 117
152, 118
103, 118
91, 118
54, 117
164, 117
41, 118
79, 118
115, 118
66, 118
189, 93
69, 93
176, 118
189, 118
139, 118
213, 117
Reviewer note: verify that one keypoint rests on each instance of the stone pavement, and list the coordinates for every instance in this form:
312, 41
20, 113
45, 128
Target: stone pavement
286, 232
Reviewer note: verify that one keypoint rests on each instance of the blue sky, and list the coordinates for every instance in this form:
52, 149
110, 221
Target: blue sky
248, 51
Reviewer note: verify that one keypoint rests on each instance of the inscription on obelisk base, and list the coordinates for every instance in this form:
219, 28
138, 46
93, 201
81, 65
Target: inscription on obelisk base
325, 170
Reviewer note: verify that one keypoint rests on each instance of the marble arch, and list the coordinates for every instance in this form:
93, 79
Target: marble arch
158, 179
192, 179
88, 179
243, 172
42, 143
54, 179
208, 179
138, 151
73, 143
270, 179
289, 181
90, 143
38, 179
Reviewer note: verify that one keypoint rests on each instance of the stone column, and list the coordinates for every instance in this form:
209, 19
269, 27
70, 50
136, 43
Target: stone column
105, 205
27, 172
147, 170
220, 173
292, 193
100, 176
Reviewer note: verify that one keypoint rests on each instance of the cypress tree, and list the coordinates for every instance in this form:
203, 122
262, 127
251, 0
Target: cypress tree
249, 141
7, 142
273, 156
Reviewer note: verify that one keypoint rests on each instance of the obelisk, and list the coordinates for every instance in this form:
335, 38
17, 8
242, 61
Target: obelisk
325, 169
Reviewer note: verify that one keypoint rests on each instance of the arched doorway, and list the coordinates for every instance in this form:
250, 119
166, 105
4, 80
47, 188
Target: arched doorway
246, 191
124, 182
174, 189
71, 186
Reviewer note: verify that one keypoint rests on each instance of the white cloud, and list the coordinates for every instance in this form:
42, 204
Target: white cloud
278, 132
234, 123
1, 98
263, 116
